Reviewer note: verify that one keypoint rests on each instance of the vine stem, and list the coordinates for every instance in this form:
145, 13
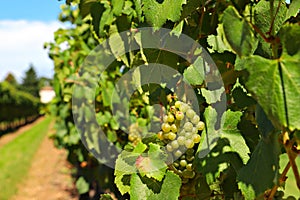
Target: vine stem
281, 180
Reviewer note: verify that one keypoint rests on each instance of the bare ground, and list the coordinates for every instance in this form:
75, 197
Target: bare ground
49, 177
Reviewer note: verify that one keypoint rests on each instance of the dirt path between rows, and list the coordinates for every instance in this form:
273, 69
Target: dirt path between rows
49, 177
10, 136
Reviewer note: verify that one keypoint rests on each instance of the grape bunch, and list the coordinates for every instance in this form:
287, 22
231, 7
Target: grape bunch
134, 135
180, 131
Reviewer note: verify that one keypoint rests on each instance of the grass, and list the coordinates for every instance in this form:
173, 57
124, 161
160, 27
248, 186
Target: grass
16, 157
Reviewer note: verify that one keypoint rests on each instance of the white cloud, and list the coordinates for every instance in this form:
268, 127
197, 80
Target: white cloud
21, 43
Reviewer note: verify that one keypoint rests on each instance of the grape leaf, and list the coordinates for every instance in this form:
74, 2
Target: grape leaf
153, 165
238, 33
122, 169
212, 96
264, 161
263, 20
293, 9
117, 6
218, 42
283, 90
169, 189
157, 14
82, 185
227, 131
194, 74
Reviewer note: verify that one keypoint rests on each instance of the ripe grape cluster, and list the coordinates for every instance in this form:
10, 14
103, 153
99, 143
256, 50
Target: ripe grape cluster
180, 132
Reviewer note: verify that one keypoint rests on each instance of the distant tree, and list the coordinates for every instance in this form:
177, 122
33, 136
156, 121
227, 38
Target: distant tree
11, 79
30, 82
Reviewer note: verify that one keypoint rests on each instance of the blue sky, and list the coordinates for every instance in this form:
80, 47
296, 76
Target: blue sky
25, 25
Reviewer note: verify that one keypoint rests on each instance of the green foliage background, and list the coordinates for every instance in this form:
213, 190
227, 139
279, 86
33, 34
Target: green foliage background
255, 45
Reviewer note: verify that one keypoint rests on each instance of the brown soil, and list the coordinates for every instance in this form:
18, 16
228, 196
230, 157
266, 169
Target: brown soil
10, 136
49, 177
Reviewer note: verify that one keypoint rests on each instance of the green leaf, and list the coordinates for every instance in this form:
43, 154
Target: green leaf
117, 6
212, 96
264, 161
153, 165
293, 9
228, 131
106, 197
218, 42
82, 185
238, 33
123, 170
194, 74
85, 7
169, 190
232, 133
263, 20
157, 14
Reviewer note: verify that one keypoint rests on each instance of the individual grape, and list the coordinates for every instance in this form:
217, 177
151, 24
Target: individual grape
176, 164
190, 158
183, 163
177, 153
165, 118
194, 130
189, 167
174, 128
200, 126
188, 174
166, 127
196, 138
181, 133
179, 115
166, 136
181, 140
184, 107
189, 143
177, 104
175, 144
190, 113
190, 152
170, 118
195, 119
188, 126
169, 148
188, 135
172, 136
160, 135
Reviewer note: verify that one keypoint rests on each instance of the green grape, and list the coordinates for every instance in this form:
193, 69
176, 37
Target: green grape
174, 128
160, 135
195, 119
200, 126
179, 115
190, 158
172, 136
177, 104
166, 136
169, 148
185, 180
188, 135
189, 143
166, 127
181, 140
189, 167
188, 174
184, 107
176, 164
165, 118
190, 152
175, 144
188, 126
194, 130
170, 118
196, 138
177, 153
182, 133
183, 163
190, 113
